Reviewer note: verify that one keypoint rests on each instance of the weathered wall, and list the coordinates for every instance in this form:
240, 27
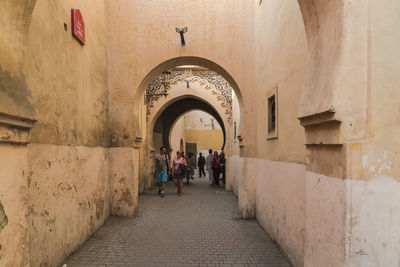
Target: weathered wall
68, 81
17, 115
124, 178
69, 198
15, 97
373, 193
68, 183
14, 240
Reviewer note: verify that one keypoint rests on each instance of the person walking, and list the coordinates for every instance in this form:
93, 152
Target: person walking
160, 168
222, 162
216, 167
191, 166
201, 162
180, 167
209, 166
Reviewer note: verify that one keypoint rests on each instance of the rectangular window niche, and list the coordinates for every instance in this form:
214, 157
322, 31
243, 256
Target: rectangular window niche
272, 102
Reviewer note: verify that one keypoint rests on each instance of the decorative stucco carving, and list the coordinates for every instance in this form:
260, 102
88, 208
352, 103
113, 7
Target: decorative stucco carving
209, 80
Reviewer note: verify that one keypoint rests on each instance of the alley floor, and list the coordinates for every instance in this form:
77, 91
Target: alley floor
201, 228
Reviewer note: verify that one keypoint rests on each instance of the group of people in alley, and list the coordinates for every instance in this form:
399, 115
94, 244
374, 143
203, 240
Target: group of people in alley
181, 167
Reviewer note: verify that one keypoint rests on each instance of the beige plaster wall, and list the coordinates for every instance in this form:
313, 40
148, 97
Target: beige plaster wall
15, 108
69, 198
178, 134
14, 239
124, 178
373, 153
68, 162
68, 81
15, 97
281, 50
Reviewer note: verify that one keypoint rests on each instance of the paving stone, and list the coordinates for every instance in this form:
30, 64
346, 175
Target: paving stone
201, 228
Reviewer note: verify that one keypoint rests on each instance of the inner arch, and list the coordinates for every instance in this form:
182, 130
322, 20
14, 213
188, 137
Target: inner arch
178, 108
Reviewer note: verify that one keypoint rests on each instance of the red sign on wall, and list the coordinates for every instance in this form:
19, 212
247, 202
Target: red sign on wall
78, 26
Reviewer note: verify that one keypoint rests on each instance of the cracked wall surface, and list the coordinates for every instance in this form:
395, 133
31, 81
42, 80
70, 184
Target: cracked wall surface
68, 176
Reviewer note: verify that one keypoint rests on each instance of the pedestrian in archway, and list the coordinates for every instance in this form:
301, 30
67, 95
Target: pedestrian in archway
160, 168
216, 167
209, 166
191, 166
180, 168
201, 162
222, 163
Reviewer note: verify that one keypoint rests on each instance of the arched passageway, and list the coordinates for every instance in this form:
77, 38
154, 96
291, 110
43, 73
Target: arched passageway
173, 112
257, 46
208, 91
183, 61
200, 130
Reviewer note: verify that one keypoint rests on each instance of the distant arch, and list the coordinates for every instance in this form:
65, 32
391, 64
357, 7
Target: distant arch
177, 109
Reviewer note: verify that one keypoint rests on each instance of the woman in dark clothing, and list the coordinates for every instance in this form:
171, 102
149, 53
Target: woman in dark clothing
216, 167
222, 164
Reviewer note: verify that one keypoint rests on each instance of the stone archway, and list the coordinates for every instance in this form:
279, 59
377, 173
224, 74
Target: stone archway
175, 105
175, 62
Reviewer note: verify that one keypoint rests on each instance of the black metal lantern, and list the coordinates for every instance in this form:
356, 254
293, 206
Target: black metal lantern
159, 87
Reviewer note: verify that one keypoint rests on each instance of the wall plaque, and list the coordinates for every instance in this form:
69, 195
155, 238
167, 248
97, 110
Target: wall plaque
78, 26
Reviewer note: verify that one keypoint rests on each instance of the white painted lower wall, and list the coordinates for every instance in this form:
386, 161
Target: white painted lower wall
373, 223
325, 214
273, 193
319, 220
280, 205
235, 165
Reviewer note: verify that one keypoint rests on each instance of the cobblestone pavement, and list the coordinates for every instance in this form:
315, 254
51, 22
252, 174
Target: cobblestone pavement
201, 228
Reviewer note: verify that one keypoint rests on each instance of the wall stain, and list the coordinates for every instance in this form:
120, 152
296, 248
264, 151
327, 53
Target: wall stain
127, 197
3, 218
99, 202
15, 88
